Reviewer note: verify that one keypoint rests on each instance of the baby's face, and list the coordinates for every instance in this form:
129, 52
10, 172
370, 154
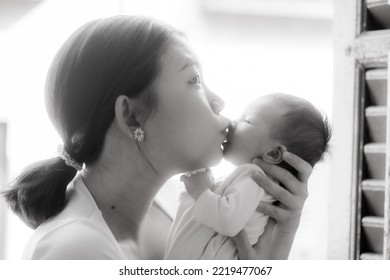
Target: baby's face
251, 138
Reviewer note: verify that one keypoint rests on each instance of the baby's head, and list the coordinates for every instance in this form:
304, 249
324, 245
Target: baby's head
274, 123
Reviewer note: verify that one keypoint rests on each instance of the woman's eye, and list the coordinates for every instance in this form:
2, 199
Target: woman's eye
247, 121
195, 80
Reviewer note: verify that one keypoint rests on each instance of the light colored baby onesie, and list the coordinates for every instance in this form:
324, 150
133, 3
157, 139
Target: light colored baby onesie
202, 230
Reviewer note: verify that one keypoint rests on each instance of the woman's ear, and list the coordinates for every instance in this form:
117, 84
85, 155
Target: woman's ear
275, 155
124, 114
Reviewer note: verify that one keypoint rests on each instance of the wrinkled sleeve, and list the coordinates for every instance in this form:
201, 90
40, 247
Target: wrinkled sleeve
229, 213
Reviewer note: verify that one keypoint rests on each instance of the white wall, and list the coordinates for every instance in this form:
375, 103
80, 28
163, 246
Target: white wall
243, 57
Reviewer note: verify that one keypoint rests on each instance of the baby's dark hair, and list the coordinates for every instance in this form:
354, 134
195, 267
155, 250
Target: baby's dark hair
303, 130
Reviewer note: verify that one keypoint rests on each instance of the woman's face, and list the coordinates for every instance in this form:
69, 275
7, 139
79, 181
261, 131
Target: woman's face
186, 132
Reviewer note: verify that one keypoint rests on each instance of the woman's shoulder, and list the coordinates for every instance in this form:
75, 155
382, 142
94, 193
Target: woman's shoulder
77, 232
73, 239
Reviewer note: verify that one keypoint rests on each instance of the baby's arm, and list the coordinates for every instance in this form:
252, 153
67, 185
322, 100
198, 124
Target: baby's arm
230, 212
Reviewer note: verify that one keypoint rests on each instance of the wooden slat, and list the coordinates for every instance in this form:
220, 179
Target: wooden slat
379, 11
376, 80
374, 3
371, 48
376, 123
359, 159
374, 193
371, 256
373, 221
374, 184
386, 235
375, 155
373, 233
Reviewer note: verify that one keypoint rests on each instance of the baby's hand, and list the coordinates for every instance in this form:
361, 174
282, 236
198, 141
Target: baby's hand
198, 183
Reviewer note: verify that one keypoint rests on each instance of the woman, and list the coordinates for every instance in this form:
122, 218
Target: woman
127, 97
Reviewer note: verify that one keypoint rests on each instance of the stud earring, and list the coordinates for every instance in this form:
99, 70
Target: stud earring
138, 134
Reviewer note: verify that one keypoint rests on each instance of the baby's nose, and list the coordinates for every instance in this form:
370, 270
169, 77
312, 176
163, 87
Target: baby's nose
233, 125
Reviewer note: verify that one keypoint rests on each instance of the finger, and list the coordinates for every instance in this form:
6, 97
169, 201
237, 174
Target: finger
185, 179
304, 168
290, 182
276, 212
209, 172
263, 246
245, 250
275, 190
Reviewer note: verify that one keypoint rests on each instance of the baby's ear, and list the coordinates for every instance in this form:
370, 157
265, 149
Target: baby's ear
274, 155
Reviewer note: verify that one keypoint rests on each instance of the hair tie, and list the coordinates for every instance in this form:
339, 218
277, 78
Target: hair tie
62, 153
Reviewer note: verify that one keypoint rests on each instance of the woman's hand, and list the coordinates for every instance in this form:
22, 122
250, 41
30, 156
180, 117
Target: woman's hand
291, 198
277, 239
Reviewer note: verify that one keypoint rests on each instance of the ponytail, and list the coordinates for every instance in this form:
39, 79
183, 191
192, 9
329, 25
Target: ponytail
38, 193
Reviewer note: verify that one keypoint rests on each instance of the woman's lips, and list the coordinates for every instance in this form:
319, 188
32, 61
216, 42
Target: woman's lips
230, 132
228, 137
225, 142
225, 145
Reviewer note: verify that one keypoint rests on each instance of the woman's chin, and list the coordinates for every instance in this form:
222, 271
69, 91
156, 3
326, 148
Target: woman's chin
208, 160
216, 160
228, 156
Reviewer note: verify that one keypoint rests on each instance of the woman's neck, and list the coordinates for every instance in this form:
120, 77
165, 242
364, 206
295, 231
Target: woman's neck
123, 190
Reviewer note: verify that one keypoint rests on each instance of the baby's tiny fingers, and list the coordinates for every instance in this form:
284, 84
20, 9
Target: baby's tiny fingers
184, 178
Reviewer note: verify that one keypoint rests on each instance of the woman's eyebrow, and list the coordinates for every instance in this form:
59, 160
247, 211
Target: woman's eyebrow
189, 62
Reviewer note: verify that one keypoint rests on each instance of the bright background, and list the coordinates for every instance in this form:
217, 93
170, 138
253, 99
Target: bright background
247, 48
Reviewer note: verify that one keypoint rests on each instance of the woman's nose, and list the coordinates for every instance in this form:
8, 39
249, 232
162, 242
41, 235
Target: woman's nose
217, 105
216, 102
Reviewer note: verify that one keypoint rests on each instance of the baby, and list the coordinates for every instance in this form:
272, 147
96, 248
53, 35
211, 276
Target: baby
210, 213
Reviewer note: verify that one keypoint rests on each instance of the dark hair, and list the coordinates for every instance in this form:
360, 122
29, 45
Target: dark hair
102, 60
303, 129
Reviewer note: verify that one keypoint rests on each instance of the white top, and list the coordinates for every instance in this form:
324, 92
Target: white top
231, 206
78, 232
